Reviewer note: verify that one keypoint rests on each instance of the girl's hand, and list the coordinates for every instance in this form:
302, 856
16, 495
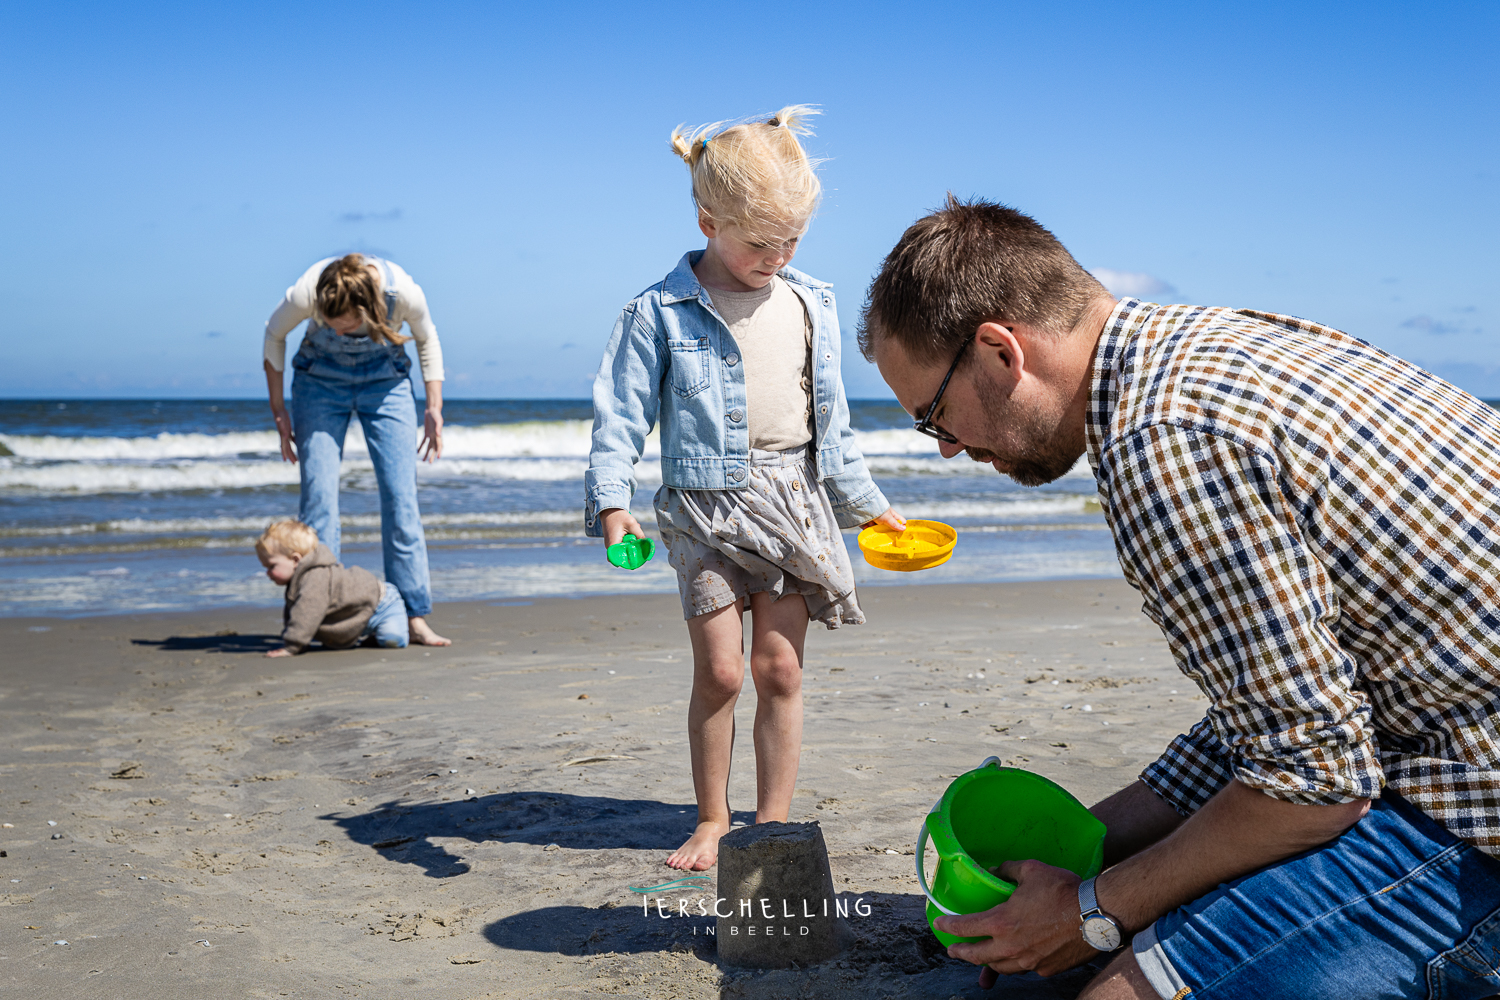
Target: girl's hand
284, 428
618, 523
890, 519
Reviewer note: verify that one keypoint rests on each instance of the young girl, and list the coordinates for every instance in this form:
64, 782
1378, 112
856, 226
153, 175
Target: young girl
738, 356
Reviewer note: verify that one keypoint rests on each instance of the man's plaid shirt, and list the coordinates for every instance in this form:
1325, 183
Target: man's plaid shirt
1315, 525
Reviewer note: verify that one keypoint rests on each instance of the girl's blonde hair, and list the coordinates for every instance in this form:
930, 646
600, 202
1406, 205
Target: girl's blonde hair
348, 285
287, 537
753, 175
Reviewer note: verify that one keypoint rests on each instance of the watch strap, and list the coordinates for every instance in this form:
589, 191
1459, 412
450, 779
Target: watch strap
1087, 899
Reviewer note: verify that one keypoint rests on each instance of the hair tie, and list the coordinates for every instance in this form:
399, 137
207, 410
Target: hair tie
705, 143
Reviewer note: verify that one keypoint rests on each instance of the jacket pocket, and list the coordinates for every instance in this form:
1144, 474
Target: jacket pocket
688, 365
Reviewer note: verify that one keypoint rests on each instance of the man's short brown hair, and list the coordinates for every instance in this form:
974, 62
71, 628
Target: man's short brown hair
968, 263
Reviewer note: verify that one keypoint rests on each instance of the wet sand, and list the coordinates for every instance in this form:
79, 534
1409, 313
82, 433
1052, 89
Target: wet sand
467, 822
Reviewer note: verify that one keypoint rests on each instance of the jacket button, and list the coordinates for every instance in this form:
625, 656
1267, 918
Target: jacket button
823, 408
828, 357
739, 475
736, 415
731, 359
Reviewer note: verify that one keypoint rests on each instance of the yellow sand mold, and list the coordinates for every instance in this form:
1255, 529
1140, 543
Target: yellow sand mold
922, 545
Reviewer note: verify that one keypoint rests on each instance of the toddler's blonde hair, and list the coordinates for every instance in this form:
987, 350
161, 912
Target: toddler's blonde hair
753, 175
287, 537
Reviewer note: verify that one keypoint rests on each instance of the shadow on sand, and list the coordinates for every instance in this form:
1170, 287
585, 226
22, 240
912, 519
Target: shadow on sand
224, 642
401, 831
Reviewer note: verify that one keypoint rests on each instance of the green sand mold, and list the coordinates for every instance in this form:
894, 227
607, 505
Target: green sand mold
995, 814
631, 552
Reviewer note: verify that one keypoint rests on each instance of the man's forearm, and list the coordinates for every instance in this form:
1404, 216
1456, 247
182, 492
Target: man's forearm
1236, 832
1135, 817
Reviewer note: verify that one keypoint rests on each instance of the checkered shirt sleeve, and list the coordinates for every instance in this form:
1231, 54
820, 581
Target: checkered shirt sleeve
1208, 536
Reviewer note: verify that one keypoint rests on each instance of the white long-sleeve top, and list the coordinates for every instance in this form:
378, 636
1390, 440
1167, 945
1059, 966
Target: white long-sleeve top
301, 303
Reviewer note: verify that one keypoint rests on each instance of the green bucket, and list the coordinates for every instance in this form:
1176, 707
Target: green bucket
995, 814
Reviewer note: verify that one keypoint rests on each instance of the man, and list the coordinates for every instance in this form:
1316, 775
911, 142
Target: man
1315, 526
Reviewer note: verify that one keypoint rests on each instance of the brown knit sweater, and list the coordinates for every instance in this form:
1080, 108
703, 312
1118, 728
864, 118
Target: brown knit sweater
327, 602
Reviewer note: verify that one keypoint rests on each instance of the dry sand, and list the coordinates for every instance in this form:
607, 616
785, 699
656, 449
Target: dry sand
465, 823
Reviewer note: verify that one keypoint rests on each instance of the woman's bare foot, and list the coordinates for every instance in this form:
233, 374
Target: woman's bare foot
422, 634
701, 850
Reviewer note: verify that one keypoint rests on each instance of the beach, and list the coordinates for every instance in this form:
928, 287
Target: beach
469, 821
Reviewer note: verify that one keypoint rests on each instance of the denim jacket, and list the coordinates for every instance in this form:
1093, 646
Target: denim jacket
671, 355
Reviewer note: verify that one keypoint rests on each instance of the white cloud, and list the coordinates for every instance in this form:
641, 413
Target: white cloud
1135, 283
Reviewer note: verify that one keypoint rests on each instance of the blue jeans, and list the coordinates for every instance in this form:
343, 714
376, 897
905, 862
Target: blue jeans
388, 623
320, 418
1395, 907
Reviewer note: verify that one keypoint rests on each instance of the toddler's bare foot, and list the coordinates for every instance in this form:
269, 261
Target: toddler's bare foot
701, 850
422, 634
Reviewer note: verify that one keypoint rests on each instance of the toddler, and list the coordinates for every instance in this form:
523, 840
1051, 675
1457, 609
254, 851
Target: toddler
737, 356
324, 600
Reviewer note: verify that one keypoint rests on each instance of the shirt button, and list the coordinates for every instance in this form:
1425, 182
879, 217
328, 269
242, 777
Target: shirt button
736, 415
738, 475
731, 359
796, 485
807, 522
828, 357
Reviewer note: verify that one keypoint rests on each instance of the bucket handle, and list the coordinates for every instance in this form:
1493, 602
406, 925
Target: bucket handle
922, 843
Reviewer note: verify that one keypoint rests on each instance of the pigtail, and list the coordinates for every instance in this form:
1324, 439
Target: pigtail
794, 117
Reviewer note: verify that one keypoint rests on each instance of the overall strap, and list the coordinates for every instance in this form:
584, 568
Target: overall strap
389, 277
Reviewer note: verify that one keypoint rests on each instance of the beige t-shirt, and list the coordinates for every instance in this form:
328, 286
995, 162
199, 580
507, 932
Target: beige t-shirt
775, 338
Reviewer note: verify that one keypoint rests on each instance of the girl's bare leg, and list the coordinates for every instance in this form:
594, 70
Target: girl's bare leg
778, 630
718, 673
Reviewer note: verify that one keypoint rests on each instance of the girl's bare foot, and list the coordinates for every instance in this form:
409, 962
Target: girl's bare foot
701, 850
422, 634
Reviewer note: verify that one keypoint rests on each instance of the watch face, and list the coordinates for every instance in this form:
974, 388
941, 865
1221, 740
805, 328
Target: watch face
1101, 933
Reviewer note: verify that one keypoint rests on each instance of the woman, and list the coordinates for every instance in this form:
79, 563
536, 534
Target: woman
353, 360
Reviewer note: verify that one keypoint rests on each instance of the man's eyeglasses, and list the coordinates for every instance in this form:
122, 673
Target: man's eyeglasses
925, 425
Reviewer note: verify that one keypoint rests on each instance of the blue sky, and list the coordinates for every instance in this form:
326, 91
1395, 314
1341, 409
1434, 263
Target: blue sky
169, 169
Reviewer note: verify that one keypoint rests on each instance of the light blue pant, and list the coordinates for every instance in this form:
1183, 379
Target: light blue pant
388, 623
320, 418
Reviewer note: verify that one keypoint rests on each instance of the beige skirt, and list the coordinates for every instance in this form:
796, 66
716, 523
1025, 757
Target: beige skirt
777, 535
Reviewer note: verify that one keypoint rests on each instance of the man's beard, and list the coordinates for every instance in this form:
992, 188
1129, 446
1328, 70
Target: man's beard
1045, 457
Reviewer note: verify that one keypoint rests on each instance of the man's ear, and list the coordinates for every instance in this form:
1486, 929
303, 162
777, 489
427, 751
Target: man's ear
1001, 342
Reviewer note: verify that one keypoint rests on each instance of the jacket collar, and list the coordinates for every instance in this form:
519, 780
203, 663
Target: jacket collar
682, 284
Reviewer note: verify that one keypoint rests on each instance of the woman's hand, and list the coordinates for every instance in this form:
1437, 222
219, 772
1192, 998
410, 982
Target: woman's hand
432, 436
278, 412
617, 523
890, 519
431, 448
284, 428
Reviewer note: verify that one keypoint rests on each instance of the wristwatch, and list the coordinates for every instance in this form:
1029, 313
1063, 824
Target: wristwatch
1099, 928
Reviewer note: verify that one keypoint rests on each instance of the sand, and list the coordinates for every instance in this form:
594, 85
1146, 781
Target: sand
464, 822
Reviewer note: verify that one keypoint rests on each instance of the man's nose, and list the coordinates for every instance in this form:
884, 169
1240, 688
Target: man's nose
949, 450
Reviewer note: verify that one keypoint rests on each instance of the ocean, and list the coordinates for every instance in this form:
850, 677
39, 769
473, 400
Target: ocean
116, 506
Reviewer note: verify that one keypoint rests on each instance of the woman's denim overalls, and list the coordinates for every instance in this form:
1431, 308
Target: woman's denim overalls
334, 376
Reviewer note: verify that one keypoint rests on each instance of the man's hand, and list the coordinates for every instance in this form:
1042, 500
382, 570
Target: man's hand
278, 653
890, 519
617, 523
1037, 929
